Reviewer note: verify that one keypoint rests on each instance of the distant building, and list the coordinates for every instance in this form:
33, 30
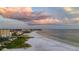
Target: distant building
7, 26
5, 33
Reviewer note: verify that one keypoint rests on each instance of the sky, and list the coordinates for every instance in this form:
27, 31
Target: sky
59, 14
68, 14
15, 11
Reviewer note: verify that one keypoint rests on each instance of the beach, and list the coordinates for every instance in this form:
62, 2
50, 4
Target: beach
41, 43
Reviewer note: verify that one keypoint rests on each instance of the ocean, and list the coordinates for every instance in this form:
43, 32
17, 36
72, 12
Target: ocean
66, 35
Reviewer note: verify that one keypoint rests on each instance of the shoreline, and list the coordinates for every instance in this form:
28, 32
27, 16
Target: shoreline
41, 43
57, 39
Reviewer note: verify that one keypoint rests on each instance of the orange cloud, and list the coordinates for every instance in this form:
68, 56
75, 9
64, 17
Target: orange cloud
8, 11
47, 21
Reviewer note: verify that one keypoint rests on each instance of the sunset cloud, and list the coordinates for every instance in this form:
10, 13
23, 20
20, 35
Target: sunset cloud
43, 15
47, 21
9, 11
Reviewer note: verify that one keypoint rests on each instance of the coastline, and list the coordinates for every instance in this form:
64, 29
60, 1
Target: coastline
41, 43
48, 35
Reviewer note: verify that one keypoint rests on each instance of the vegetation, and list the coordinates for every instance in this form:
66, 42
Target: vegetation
18, 41
2, 39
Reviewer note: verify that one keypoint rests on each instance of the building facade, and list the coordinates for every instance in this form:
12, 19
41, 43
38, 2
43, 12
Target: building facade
5, 32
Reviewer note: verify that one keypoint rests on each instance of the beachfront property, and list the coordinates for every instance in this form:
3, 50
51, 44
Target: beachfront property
5, 33
9, 32
8, 26
12, 33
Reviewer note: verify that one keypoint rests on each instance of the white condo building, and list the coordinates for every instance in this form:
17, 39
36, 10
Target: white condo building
7, 25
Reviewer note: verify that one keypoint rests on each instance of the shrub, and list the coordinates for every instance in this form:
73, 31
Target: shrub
18, 43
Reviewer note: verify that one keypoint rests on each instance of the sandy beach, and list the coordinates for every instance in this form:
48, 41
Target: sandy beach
41, 43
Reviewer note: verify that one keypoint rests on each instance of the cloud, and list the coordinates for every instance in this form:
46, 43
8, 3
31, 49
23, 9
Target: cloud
74, 13
72, 10
15, 11
44, 18
68, 9
49, 15
47, 21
